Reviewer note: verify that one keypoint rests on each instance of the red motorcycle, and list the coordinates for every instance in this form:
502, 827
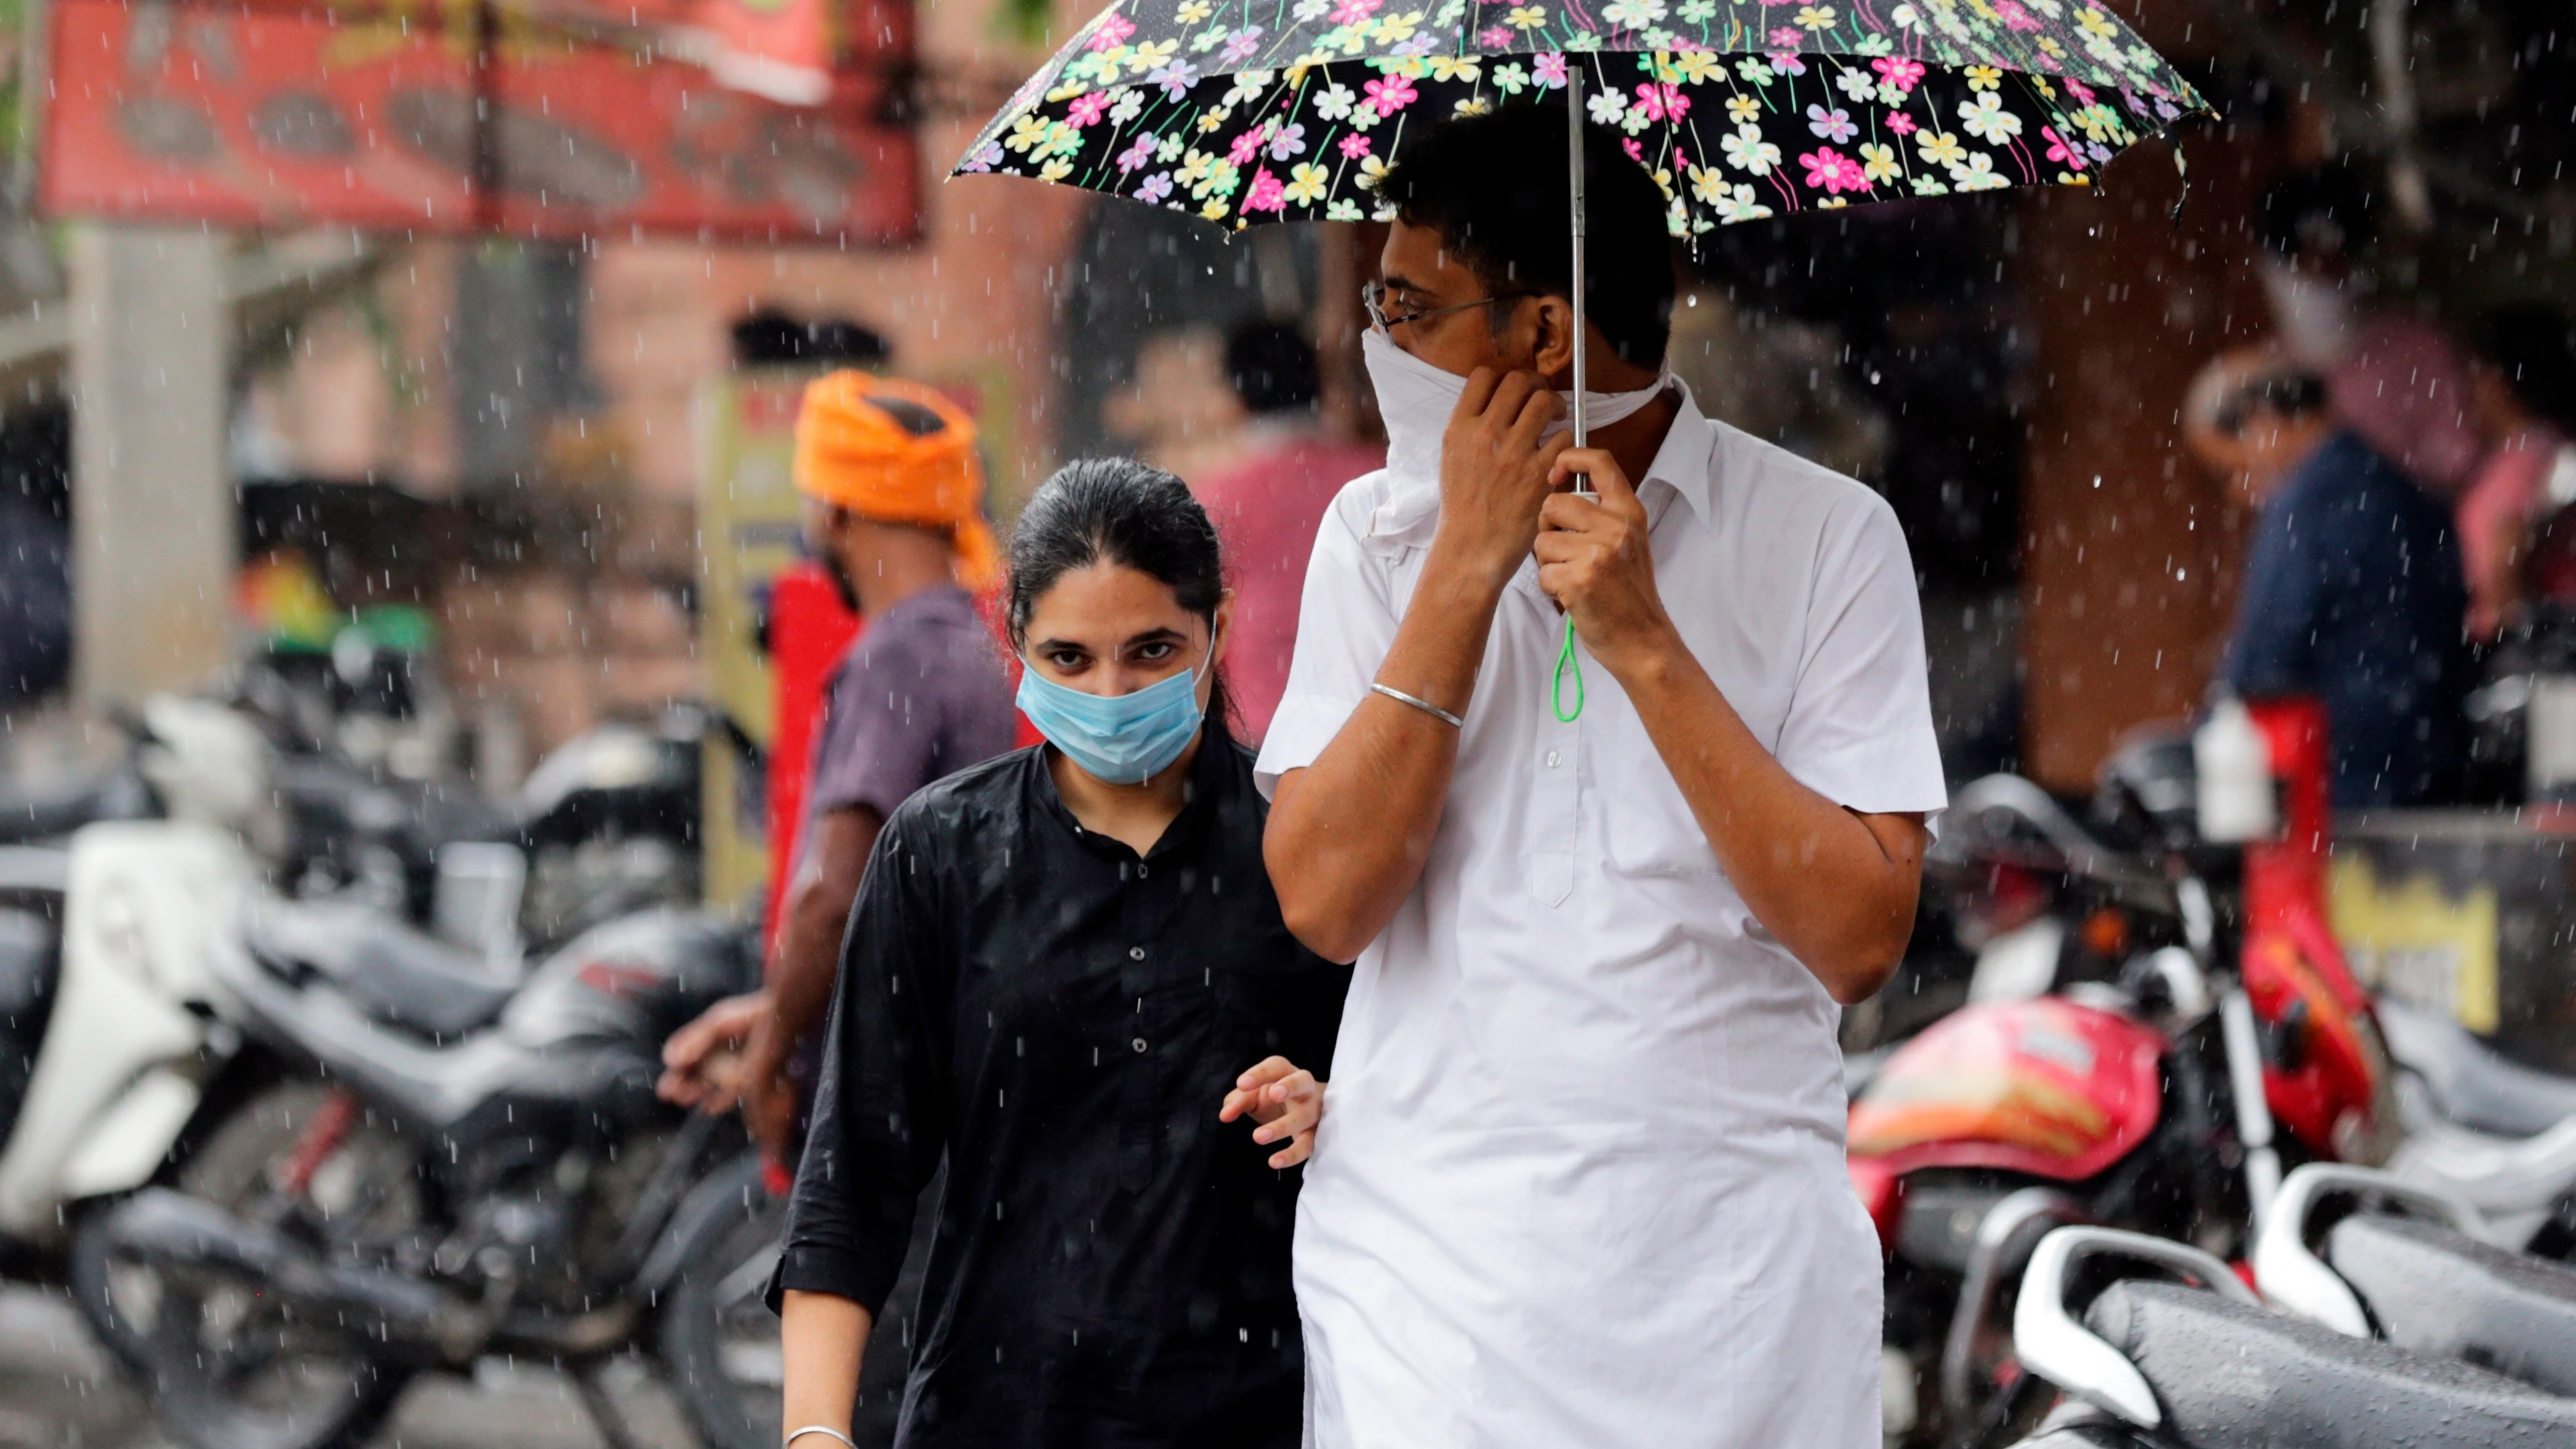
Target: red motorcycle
2163, 1098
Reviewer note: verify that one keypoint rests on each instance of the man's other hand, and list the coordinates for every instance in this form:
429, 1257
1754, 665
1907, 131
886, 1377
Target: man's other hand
702, 1062
1286, 1100
1597, 560
1494, 462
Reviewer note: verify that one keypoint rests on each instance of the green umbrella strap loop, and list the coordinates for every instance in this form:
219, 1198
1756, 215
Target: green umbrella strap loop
1567, 663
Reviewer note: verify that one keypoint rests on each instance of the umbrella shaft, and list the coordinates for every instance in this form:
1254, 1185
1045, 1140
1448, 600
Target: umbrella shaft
1574, 178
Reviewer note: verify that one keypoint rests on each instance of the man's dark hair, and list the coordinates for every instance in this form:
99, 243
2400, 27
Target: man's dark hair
1122, 512
1272, 367
770, 338
2531, 346
2319, 212
1495, 187
2286, 393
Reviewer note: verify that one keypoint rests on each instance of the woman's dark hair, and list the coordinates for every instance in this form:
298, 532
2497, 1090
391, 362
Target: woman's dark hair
1118, 511
1495, 187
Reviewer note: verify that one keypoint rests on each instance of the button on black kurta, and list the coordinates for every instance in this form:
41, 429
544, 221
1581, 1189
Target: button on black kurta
1062, 1019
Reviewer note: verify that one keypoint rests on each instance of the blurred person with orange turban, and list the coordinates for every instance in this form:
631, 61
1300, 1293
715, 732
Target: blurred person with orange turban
894, 513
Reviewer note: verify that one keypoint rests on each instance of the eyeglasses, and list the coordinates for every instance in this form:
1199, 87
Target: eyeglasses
1373, 297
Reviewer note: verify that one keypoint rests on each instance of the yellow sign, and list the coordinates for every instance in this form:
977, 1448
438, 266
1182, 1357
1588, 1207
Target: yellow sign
2418, 943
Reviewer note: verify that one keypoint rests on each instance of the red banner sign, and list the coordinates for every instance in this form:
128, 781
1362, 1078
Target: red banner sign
281, 117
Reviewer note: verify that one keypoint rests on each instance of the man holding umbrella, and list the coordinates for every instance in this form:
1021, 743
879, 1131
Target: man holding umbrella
1582, 1178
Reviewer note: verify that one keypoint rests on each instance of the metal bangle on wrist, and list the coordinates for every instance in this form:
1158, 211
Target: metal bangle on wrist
1424, 705
823, 1429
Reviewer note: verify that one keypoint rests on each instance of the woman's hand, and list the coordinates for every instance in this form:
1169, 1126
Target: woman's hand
1286, 1100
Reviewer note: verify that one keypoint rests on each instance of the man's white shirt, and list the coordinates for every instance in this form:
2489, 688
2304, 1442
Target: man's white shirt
1580, 1178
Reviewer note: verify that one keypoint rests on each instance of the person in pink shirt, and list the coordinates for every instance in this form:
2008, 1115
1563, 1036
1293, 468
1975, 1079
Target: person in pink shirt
1268, 506
2524, 383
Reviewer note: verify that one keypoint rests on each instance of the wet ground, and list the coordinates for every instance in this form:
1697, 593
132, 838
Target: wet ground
58, 1390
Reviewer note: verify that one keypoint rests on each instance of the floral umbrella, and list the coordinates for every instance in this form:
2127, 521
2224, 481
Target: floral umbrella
1240, 111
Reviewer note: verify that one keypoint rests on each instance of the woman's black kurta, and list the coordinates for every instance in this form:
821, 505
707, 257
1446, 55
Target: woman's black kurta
1062, 1020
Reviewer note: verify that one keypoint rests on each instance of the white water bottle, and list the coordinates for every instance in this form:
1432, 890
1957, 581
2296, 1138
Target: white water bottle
2234, 766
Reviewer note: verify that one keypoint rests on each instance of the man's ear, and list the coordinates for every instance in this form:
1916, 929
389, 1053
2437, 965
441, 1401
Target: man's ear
1554, 349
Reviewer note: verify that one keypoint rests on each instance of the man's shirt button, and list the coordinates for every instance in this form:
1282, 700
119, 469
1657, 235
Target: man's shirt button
1552, 758
1135, 953
1138, 1045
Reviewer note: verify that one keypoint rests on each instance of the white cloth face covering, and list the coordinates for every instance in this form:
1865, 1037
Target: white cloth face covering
1417, 399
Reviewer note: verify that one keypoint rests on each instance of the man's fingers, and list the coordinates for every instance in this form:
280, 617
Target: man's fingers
688, 1044
1608, 479
1478, 392
1539, 409
1572, 513
1555, 579
1295, 1152
1558, 546
1617, 494
1237, 1102
680, 1089
1595, 465
1529, 431
1512, 396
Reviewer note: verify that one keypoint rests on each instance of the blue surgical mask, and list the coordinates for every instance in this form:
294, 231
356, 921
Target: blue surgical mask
1125, 739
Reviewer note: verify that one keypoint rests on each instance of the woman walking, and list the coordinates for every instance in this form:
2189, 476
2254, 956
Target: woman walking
1066, 973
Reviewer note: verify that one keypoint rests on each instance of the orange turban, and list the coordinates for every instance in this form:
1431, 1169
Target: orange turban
897, 452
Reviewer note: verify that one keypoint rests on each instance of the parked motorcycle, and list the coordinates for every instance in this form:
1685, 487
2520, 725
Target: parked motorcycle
106, 1012
426, 1162
103, 970
2161, 1099
2417, 1268
2499, 1134
2490, 1132
2202, 1365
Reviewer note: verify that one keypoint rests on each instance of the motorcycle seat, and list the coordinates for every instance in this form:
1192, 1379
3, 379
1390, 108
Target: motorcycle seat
48, 812
2078, 1425
2469, 1082
2231, 1376
2437, 1290
390, 971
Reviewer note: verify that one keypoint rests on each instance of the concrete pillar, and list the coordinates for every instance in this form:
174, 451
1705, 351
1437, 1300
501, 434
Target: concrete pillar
153, 517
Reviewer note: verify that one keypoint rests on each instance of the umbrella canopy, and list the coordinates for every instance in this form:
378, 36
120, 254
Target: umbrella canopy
1290, 110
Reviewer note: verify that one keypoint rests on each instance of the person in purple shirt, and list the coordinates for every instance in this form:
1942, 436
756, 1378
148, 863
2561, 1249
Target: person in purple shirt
894, 499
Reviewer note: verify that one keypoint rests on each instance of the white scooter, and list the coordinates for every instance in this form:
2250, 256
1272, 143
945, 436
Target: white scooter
119, 1066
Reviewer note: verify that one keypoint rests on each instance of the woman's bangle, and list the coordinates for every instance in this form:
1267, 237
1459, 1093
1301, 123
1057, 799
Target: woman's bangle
825, 1431
1424, 705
